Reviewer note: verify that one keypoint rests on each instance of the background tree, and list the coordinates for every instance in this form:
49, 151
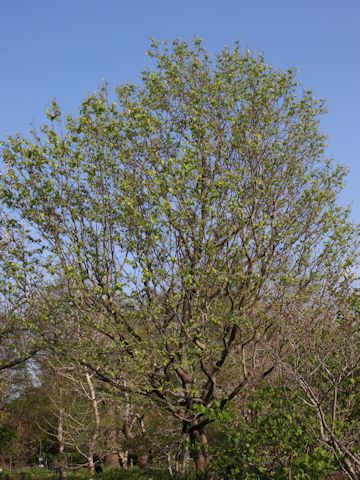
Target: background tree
79, 412
326, 368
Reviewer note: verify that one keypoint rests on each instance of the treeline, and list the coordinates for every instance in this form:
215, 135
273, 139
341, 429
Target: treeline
178, 279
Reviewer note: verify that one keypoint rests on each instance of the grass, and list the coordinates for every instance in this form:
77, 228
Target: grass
118, 474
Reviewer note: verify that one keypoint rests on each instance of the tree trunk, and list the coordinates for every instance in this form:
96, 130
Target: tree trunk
61, 441
186, 459
143, 457
200, 454
111, 459
62, 473
95, 432
124, 457
91, 466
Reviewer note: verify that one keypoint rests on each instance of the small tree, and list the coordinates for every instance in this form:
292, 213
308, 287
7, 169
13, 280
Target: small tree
191, 221
80, 416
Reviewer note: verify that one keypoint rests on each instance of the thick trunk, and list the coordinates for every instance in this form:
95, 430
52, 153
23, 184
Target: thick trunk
199, 444
143, 457
111, 459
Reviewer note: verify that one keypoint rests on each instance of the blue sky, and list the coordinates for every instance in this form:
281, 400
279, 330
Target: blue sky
65, 49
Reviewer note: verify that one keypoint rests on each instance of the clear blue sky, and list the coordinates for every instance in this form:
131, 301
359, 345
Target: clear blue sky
64, 49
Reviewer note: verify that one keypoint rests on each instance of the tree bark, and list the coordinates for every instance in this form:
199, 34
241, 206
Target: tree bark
124, 457
200, 454
61, 441
111, 458
95, 432
186, 459
91, 466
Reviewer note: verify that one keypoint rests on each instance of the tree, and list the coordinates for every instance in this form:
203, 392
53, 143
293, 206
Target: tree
191, 222
326, 367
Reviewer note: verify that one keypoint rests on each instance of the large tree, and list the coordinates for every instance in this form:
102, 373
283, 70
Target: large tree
189, 222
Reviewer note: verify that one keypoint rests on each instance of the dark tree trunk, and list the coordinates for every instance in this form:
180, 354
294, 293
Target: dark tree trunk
62, 473
200, 454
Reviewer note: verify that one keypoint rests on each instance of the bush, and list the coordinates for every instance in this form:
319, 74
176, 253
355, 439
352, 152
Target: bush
274, 438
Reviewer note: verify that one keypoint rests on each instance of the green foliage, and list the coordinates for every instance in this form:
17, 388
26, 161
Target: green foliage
275, 437
8, 437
